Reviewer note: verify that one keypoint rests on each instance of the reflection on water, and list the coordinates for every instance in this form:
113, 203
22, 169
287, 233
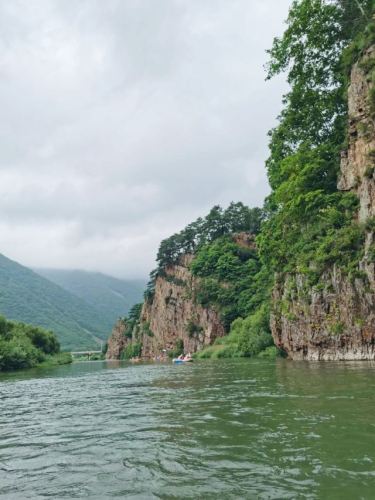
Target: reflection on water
224, 429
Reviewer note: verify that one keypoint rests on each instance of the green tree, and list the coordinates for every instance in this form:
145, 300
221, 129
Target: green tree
24, 346
305, 212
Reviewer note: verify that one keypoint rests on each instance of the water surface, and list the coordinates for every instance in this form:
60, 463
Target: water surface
213, 429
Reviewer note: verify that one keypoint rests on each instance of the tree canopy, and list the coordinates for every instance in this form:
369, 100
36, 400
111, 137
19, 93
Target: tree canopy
219, 222
310, 52
24, 346
309, 222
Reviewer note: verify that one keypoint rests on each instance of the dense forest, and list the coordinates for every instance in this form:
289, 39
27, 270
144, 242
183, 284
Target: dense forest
26, 346
306, 224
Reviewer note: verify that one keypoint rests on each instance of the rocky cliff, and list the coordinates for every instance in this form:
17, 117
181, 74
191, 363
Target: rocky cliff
336, 319
174, 315
171, 318
117, 341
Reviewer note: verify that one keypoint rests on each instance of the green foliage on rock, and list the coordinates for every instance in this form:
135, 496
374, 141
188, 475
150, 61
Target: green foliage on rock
132, 320
227, 273
193, 329
218, 223
310, 224
179, 349
133, 350
134, 329
248, 337
253, 333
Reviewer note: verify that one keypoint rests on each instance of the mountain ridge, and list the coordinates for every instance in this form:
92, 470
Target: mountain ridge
28, 297
111, 296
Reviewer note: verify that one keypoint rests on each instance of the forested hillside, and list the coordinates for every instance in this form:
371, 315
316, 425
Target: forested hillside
25, 296
111, 297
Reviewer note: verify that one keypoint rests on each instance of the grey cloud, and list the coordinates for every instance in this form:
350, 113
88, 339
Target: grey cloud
124, 120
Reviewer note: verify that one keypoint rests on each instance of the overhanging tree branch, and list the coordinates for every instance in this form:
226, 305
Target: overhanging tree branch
360, 7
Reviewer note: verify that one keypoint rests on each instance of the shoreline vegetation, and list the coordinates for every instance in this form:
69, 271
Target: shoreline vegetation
24, 346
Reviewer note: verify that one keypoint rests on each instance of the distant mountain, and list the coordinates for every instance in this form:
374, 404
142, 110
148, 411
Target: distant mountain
110, 296
28, 297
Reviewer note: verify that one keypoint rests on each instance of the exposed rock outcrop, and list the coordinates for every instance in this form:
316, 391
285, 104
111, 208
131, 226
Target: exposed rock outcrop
117, 341
333, 323
357, 163
174, 314
336, 319
173, 317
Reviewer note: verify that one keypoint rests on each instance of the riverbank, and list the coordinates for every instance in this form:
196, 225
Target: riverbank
62, 358
51, 361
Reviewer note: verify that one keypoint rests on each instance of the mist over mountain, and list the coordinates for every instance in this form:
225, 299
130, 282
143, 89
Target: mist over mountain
28, 297
110, 296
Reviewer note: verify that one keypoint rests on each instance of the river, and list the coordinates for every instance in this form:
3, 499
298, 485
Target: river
212, 429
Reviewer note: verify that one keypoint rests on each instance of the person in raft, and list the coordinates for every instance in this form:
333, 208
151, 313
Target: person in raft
187, 357
181, 356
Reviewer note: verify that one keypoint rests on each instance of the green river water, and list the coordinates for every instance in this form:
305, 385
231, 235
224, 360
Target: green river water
212, 429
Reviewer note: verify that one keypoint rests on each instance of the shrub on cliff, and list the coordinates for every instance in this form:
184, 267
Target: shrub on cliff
179, 349
227, 273
132, 320
253, 332
217, 224
248, 337
309, 222
132, 350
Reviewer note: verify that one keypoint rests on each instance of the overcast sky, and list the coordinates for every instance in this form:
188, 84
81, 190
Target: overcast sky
123, 120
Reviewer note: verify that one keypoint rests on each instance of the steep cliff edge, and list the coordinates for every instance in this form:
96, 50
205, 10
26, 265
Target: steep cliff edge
117, 341
171, 319
193, 298
357, 163
335, 319
173, 315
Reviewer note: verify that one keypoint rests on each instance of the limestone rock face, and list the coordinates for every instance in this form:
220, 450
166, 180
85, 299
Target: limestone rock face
357, 172
336, 320
334, 323
174, 314
117, 341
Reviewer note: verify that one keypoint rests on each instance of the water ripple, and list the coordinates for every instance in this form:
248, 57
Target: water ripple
231, 429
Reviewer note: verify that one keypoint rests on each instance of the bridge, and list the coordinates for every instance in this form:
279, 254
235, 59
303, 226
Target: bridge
85, 353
